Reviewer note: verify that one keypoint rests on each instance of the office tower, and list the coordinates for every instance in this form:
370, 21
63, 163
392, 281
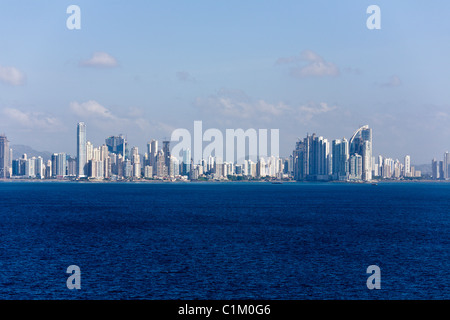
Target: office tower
300, 160
447, 165
166, 150
361, 143
30, 168
434, 169
311, 158
119, 164
441, 170
186, 161
261, 168
72, 164
152, 153
89, 152
355, 167
4, 157
61, 165
118, 145
146, 161
127, 169
161, 169
339, 159
54, 164
81, 150
16, 168
40, 168
407, 166
48, 170
105, 158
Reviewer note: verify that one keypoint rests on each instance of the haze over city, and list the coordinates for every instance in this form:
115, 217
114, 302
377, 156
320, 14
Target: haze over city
145, 69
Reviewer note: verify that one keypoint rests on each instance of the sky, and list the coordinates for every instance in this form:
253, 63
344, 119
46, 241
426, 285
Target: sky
146, 68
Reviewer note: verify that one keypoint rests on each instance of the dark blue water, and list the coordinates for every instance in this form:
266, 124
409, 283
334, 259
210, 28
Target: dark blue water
224, 240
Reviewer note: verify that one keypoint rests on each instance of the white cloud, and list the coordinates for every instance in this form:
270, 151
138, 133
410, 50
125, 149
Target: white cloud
32, 120
306, 112
11, 76
315, 65
237, 105
100, 59
394, 81
91, 109
130, 120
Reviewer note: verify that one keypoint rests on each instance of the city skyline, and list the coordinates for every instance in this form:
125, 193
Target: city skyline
314, 158
290, 65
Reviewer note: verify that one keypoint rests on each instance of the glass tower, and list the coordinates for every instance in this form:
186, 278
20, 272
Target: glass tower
81, 149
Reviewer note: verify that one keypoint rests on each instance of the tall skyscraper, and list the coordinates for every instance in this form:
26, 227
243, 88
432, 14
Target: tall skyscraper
4, 157
340, 159
407, 166
61, 165
435, 169
186, 161
361, 144
447, 165
81, 150
166, 150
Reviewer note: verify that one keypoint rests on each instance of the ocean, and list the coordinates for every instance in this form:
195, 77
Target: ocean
224, 240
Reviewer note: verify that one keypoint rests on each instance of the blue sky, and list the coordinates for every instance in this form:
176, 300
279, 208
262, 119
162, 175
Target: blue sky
144, 68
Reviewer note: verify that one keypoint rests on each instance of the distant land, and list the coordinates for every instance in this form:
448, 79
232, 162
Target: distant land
19, 150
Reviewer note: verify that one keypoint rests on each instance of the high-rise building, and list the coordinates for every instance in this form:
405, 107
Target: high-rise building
118, 145
447, 165
361, 143
61, 165
435, 169
186, 161
4, 157
340, 158
54, 164
152, 153
81, 150
161, 169
166, 150
40, 168
355, 167
407, 166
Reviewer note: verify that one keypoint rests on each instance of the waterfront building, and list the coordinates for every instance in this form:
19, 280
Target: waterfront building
81, 150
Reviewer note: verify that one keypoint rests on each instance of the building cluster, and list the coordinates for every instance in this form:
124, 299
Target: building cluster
114, 160
316, 159
440, 170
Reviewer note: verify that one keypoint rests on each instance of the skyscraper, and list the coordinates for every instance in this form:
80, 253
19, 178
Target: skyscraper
61, 165
81, 150
447, 165
361, 144
4, 157
186, 161
407, 166
117, 145
340, 159
166, 150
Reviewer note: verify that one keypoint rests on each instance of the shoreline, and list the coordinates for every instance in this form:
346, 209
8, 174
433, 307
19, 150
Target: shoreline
374, 182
